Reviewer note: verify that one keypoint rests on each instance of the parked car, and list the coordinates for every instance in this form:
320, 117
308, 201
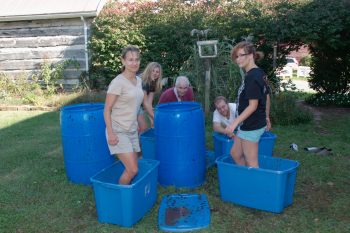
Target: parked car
292, 62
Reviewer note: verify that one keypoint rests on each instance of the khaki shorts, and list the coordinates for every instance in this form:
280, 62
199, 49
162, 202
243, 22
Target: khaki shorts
128, 141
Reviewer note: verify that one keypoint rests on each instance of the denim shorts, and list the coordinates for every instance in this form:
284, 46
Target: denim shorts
252, 135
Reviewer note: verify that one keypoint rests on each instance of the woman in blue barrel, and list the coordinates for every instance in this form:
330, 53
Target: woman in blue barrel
253, 106
123, 101
151, 84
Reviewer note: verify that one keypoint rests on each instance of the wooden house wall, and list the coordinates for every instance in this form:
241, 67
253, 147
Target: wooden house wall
26, 45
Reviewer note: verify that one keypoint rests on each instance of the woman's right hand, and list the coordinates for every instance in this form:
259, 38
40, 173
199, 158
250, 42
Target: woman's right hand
112, 139
229, 130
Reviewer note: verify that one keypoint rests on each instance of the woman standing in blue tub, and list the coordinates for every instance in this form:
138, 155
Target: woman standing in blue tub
123, 101
253, 106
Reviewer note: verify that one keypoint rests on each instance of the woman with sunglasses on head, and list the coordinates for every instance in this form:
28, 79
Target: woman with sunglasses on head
253, 106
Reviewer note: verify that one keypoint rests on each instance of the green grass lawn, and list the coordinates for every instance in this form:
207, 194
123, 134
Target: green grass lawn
35, 195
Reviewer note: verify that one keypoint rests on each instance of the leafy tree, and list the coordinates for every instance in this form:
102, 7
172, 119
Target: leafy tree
162, 30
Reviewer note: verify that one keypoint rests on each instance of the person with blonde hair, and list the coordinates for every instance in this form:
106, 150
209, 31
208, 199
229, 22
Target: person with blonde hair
151, 84
253, 106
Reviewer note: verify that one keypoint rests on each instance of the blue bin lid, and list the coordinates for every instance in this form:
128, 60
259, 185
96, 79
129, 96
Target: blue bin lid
183, 212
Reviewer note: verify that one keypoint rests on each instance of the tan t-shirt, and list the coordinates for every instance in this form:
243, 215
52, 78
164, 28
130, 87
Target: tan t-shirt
124, 111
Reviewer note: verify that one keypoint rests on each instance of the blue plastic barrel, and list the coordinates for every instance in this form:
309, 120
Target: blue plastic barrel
84, 141
180, 144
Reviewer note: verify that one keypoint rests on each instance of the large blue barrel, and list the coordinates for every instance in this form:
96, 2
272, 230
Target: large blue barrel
84, 141
180, 144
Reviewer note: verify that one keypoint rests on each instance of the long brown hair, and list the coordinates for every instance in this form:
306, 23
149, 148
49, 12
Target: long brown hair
146, 75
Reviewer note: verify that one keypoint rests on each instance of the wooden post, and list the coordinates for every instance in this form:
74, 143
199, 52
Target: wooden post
274, 55
207, 85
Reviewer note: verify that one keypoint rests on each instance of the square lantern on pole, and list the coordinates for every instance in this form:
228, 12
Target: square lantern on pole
207, 48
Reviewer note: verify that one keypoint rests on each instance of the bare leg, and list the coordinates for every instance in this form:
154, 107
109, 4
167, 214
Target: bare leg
237, 152
142, 123
131, 167
250, 150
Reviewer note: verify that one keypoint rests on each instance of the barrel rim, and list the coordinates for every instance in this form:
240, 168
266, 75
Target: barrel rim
83, 107
191, 106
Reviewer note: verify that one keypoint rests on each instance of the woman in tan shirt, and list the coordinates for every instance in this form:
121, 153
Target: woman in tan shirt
123, 100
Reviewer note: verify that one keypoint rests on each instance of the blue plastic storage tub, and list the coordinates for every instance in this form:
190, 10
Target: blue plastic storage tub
148, 144
267, 143
269, 187
223, 144
184, 212
124, 205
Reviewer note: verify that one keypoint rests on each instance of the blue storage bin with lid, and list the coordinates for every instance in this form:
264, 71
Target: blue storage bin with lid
124, 205
269, 187
223, 144
183, 212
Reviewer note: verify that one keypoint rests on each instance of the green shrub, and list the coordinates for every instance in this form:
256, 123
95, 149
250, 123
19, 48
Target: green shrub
17, 87
51, 74
162, 30
339, 100
325, 27
306, 61
45, 83
285, 111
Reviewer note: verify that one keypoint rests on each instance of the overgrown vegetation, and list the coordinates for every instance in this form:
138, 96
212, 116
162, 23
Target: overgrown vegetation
225, 75
39, 88
162, 30
164, 37
285, 111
